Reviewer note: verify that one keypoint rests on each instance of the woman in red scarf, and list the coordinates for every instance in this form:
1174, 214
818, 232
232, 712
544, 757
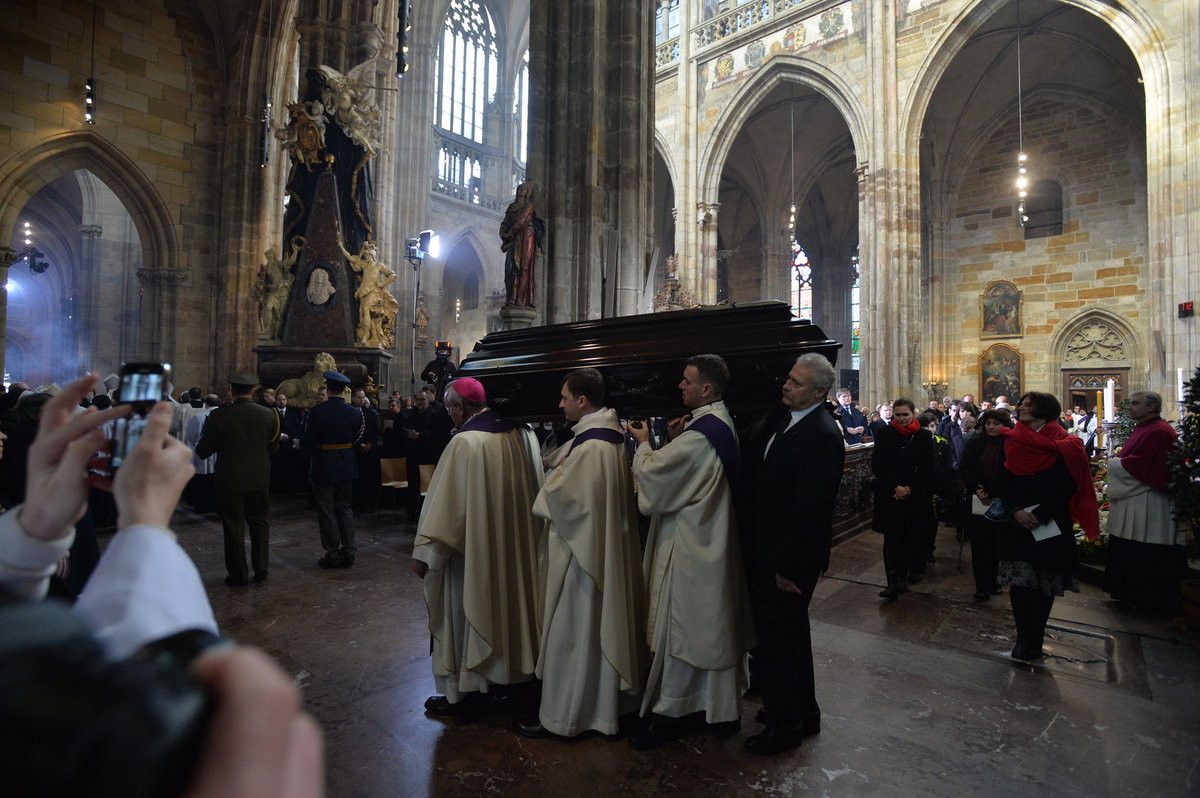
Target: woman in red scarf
1047, 484
904, 467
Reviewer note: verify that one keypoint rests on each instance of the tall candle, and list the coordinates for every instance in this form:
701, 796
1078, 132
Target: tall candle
1099, 404
1180, 385
1110, 401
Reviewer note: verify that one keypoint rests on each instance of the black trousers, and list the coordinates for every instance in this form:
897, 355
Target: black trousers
784, 655
239, 509
901, 548
984, 560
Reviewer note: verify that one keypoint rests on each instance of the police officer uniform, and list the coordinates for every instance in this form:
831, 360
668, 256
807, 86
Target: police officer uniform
331, 430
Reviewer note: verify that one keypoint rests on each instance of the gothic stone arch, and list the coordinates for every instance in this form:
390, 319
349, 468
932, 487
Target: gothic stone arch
1092, 347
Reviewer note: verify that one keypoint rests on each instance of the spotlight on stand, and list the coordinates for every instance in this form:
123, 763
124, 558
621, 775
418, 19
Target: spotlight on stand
426, 244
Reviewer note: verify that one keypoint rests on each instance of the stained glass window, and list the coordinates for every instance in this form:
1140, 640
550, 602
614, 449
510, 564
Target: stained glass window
666, 23
855, 316
802, 286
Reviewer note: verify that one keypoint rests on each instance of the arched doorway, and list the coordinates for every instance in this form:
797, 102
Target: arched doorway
465, 299
78, 309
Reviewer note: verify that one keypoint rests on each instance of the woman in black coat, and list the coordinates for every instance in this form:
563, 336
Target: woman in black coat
904, 468
1046, 484
981, 467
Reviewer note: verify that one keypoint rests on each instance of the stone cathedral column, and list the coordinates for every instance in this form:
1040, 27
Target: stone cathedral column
889, 193
591, 151
159, 292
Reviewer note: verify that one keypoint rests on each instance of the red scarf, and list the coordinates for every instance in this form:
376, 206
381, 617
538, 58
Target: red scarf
905, 431
1144, 455
1028, 452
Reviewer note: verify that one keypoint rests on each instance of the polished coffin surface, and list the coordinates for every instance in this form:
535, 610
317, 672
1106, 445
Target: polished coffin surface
918, 697
642, 358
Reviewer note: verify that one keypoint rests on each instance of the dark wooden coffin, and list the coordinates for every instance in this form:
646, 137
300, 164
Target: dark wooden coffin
642, 359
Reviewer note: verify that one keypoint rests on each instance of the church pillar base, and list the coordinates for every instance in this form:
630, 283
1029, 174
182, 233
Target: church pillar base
518, 317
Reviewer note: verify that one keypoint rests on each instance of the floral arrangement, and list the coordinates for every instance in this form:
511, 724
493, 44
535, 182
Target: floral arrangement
1096, 551
1185, 465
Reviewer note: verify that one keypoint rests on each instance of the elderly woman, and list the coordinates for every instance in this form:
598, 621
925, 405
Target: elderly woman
981, 468
1047, 483
905, 470
1145, 557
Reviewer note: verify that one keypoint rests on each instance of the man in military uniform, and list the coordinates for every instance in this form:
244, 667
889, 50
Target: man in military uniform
243, 435
331, 430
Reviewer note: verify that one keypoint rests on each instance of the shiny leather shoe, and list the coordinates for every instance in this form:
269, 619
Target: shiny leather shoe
1024, 653
890, 593
773, 740
440, 705
531, 727
659, 731
810, 724
330, 561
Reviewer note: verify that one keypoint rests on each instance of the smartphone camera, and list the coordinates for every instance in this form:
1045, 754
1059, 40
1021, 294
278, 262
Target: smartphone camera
142, 384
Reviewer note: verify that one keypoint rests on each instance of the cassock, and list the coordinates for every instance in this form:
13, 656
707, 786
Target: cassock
591, 659
478, 535
699, 624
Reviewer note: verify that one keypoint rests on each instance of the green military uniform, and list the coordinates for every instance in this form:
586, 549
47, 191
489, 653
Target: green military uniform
243, 436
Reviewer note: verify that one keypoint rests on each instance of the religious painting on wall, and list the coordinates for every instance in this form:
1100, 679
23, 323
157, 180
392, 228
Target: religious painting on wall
1001, 373
1001, 310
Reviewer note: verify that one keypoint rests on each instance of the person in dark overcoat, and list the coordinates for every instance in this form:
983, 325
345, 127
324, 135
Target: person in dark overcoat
904, 468
331, 430
427, 431
981, 468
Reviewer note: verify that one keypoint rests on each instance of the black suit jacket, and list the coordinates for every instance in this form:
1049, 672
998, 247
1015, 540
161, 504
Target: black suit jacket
794, 495
330, 431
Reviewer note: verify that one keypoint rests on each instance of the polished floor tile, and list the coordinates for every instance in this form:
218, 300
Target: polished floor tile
918, 697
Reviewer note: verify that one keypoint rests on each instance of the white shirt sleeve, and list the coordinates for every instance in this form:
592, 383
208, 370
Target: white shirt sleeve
144, 588
26, 563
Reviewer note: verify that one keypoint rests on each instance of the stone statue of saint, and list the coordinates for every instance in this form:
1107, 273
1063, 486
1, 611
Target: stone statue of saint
521, 235
422, 321
377, 308
320, 289
273, 288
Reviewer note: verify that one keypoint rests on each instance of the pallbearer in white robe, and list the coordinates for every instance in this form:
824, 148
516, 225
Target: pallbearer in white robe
699, 622
477, 549
591, 656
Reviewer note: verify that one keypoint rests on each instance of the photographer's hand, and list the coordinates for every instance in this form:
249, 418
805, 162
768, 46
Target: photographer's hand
57, 491
260, 744
154, 474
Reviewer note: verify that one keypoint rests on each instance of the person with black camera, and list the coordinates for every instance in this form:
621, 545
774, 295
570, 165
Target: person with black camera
70, 693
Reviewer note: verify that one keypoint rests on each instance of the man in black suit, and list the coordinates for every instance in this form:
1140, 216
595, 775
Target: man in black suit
331, 430
792, 525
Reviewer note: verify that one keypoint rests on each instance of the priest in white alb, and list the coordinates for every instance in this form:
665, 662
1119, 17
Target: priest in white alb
476, 548
699, 622
591, 655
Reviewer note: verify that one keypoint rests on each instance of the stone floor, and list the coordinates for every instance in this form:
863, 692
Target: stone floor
918, 697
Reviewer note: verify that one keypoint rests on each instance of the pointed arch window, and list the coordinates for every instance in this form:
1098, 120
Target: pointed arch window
802, 284
855, 309
521, 111
466, 69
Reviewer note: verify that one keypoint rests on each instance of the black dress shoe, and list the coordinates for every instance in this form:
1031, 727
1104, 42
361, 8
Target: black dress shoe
982, 597
773, 740
233, 581
810, 724
659, 731
531, 727
902, 586
330, 560
891, 593
440, 705
915, 577
260, 577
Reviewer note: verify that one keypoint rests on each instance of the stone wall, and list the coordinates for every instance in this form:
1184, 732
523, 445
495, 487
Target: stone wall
1099, 260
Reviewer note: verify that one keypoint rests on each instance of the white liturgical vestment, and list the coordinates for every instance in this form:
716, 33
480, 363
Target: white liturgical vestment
478, 535
591, 649
699, 622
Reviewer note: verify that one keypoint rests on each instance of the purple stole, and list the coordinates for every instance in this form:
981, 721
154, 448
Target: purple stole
597, 434
720, 437
487, 421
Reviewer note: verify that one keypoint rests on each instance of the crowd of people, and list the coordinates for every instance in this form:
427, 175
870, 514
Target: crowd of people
624, 576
